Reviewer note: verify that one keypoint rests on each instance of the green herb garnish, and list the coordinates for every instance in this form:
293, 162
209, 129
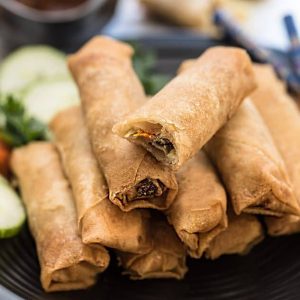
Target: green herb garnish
144, 63
16, 127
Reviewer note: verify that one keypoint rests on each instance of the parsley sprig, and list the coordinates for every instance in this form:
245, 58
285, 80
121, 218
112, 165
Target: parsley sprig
16, 127
144, 63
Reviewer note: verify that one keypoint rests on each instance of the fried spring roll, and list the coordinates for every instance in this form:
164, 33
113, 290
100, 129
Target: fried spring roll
99, 220
166, 259
109, 90
186, 64
66, 263
282, 117
251, 167
243, 233
187, 112
264, 190
195, 13
198, 213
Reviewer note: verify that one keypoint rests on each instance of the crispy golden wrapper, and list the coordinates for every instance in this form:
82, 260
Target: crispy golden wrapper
66, 263
251, 167
243, 233
198, 213
100, 221
166, 259
282, 117
188, 111
110, 90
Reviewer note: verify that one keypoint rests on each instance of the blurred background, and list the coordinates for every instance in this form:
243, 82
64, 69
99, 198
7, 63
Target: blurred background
66, 24
266, 28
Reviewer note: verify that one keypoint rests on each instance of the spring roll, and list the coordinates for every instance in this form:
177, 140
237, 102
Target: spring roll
187, 112
251, 167
192, 13
109, 90
282, 117
166, 259
66, 263
243, 233
198, 213
186, 64
99, 220
227, 149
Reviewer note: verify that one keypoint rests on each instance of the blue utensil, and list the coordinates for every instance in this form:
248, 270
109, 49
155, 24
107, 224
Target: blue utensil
232, 30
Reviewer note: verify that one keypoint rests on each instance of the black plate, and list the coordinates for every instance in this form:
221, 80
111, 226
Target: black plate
270, 271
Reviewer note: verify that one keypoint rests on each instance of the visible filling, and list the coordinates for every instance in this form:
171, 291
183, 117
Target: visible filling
163, 144
158, 142
146, 189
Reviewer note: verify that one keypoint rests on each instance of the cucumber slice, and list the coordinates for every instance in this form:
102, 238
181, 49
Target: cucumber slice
12, 213
46, 98
30, 64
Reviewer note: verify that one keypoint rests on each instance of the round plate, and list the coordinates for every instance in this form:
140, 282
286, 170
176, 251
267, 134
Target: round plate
270, 272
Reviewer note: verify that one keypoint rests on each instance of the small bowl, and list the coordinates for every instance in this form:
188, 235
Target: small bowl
65, 29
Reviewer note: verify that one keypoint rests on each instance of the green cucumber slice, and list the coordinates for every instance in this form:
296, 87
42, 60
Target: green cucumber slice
12, 213
29, 64
46, 98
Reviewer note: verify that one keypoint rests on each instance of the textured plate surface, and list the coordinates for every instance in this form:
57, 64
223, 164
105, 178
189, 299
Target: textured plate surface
270, 271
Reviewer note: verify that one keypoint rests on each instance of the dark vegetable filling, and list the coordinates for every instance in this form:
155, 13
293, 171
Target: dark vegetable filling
163, 144
156, 141
146, 188
149, 188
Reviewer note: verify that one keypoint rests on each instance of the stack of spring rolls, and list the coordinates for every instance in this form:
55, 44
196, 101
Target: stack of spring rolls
185, 172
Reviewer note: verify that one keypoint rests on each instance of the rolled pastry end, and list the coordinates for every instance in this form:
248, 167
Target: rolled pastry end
146, 188
101, 44
75, 277
153, 137
147, 193
153, 265
243, 233
166, 258
269, 205
283, 226
197, 232
156, 265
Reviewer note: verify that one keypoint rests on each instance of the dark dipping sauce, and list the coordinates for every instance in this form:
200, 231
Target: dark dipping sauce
51, 4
